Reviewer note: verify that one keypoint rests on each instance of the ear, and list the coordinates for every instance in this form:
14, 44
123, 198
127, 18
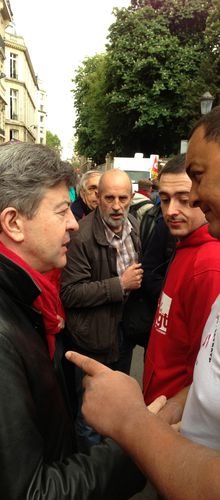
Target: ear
11, 223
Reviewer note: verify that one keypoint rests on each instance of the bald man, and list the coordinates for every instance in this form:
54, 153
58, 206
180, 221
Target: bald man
102, 268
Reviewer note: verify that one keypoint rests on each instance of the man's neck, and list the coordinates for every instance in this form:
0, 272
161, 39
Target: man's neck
117, 230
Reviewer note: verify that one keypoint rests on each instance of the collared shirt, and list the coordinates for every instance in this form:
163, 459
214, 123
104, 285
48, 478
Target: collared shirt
123, 244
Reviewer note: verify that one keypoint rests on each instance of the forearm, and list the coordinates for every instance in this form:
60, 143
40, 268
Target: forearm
91, 293
114, 405
178, 468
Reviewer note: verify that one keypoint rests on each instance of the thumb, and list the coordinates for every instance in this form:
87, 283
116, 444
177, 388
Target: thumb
157, 404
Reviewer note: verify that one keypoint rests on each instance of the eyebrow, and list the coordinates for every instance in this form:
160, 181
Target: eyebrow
64, 202
116, 196
174, 194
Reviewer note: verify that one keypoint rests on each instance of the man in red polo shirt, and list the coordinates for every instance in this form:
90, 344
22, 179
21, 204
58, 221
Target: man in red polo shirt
184, 304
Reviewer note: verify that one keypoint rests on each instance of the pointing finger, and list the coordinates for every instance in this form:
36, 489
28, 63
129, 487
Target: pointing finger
88, 365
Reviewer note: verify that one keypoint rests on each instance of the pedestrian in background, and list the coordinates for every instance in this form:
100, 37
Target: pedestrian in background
87, 189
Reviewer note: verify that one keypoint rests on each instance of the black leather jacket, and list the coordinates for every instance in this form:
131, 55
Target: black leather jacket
38, 455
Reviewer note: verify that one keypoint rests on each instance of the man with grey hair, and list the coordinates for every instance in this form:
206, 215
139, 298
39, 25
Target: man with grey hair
87, 194
39, 457
102, 268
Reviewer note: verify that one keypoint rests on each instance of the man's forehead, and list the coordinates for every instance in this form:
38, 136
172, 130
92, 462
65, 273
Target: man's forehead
116, 188
202, 152
116, 192
175, 183
94, 178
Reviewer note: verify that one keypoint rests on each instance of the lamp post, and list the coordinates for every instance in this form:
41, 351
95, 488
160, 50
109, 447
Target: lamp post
206, 102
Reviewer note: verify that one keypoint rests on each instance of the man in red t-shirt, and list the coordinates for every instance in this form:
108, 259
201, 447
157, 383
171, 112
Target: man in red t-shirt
184, 304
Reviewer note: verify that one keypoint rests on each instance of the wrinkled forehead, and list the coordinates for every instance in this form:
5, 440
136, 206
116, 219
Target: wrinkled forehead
116, 190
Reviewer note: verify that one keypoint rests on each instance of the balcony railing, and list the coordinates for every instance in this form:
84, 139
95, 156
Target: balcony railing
14, 116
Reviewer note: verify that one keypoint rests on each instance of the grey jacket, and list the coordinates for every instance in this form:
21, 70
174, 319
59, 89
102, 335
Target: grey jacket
91, 290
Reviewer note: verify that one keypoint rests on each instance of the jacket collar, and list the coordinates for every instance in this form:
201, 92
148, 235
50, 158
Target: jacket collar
17, 282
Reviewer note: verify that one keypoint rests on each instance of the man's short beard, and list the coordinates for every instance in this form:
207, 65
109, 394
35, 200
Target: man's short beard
114, 223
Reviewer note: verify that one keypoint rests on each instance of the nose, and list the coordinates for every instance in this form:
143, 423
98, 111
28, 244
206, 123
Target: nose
72, 224
116, 204
173, 208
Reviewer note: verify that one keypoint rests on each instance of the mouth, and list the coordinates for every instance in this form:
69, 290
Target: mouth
175, 222
116, 216
65, 245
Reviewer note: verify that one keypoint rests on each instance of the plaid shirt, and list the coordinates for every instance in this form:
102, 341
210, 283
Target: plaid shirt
126, 254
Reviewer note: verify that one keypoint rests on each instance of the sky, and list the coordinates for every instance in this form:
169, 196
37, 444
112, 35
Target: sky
59, 35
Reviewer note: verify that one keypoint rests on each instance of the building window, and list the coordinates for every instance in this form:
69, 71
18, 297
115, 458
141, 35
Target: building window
13, 65
14, 134
13, 104
41, 140
41, 107
41, 119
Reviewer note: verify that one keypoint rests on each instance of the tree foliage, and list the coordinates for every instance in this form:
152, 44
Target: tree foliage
143, 95
90, 98
53, 141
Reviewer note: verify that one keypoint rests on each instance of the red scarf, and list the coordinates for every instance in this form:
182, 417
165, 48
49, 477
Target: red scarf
48, 302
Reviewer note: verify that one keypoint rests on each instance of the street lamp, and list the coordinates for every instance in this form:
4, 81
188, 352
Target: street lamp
206, 103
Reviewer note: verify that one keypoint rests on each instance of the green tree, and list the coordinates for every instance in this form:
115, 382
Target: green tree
143, 94
90, 103
53, 141
186, 18
154, 81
